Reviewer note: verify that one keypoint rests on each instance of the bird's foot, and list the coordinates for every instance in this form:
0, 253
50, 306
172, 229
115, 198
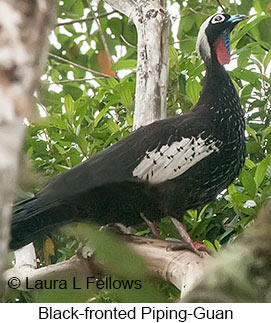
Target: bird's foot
187, 242
194, 246
152, 226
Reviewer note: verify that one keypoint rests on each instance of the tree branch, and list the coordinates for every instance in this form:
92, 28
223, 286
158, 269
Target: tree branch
68, 81
103, 15
127, 7
64, 60
166, 260
240, 273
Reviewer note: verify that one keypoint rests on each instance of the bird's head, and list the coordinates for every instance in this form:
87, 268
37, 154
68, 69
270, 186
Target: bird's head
214, 37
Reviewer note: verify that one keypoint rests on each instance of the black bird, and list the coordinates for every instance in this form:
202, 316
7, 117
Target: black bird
161, 169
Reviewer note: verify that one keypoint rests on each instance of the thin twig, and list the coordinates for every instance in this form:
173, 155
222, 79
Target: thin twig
197, 12
219, 3
255, 40
84, 19
126, 42
68, 81
41, 105
64, 60
235, 5
102, 35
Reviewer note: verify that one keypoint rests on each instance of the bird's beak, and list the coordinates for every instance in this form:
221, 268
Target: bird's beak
235, 19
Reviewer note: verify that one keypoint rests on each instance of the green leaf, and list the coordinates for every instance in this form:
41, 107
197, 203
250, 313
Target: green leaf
209, 245
253, 147
124, 65
248, 211
125, 95
193, 214
111, 251
74, 156
246, 92
266, 131
54, 75
232, 189
217, 245
261, 170
69, 104
112, 82
188, 22
248, 182
193, 89
100, 94
99, 116
239, 198
82, 142
202, 211
264, 30
246, 75
113, 127
267, 60
245, 6
246, 28
249, 163
55, 121
235, 85
129, 119
173, 56
73, 90
30, 151
61, 168
60, 149
251, 132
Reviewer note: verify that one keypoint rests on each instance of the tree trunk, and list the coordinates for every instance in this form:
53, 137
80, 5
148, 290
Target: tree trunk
24, 27
152, 23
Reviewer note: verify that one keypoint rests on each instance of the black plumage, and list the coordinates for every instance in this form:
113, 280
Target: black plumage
161, 169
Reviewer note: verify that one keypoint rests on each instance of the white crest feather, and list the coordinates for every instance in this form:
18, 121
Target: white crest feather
202, 45
168, 162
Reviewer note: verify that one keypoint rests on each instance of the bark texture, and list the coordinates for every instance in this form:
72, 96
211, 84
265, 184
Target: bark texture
165, 260
24, 27
152, 23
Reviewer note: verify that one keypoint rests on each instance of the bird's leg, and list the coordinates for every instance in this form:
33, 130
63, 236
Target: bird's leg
189, 243
152, 226
193, 245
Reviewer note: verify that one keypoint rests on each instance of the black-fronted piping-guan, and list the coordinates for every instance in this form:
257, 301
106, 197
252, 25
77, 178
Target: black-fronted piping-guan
161, 169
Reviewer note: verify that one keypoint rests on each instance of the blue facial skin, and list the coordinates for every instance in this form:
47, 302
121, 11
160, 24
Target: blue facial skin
226, 34
236, 18
226, 38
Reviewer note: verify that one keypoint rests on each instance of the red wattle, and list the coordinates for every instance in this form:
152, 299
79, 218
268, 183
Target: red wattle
223, 56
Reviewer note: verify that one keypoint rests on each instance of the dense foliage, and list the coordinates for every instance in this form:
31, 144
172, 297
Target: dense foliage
81, 113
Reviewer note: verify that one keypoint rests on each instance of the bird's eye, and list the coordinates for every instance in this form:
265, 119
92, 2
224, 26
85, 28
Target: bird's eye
218, 18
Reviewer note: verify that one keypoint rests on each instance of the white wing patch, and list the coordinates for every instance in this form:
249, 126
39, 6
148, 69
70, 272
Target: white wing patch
168, 162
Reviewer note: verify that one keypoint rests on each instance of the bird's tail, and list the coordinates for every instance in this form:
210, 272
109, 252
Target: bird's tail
34, 217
